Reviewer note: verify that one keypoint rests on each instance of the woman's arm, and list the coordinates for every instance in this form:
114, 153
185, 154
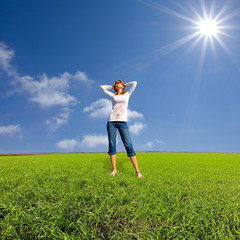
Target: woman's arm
133, 85
104, 89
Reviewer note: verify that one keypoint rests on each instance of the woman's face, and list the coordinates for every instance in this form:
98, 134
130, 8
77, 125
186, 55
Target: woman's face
119, 84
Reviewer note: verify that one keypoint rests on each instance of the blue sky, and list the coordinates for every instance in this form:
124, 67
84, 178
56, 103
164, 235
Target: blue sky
54, 55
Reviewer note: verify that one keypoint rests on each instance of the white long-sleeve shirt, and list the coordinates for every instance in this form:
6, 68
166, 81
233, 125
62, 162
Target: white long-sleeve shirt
119, 102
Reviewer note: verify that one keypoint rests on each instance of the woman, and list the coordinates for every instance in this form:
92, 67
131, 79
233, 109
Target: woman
118, 120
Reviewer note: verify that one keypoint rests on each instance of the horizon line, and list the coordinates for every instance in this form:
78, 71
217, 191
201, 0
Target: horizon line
56, 153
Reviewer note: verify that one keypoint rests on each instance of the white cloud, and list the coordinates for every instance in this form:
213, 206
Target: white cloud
148, 145
47, 92
102, 108
160, 142
61, 119
136, 128
99, 108
89, 140
11, 130
151, 144
6, 56
52, 92
67, 144
134, 114
82, 77
94, 140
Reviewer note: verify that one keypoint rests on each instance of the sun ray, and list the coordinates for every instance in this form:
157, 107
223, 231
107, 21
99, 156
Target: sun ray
213, 47
224, 46
212, 7
229, 27
229, 16
195, 89
226, 34
203, 53
203, 6
198, 16
230, 53
174, 45
196, 41
220, 13
166, 10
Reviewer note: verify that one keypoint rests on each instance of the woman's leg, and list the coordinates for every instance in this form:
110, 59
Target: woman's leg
111, 129
113, 161
135, 164
125, 136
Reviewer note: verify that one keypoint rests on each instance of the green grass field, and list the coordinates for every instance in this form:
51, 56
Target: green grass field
71, 196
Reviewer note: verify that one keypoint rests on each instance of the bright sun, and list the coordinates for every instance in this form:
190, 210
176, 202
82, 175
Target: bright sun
208, 27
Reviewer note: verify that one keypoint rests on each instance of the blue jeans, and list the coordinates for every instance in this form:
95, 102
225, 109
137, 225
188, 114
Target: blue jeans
124, 133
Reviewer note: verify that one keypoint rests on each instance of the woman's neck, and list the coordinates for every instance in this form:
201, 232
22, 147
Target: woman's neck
119, 92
